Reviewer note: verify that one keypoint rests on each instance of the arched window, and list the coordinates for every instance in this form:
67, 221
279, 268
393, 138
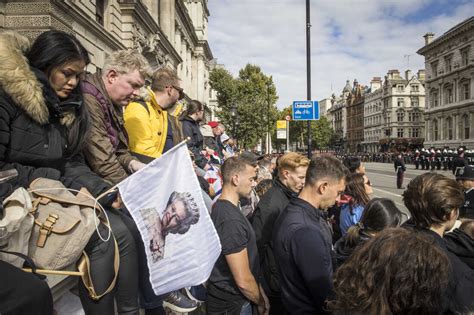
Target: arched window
449, 127
467, 126
435, 130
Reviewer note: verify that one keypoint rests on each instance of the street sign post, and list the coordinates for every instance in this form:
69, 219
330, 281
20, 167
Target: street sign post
305, 110
281, 129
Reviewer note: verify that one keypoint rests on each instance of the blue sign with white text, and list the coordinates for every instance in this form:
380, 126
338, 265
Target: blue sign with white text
305, 110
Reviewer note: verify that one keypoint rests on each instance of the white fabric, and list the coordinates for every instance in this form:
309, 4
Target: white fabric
188, 258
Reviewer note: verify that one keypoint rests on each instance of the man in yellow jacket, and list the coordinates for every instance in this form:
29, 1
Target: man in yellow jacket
151, 129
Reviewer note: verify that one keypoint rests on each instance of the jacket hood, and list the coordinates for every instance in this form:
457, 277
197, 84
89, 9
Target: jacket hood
29, 88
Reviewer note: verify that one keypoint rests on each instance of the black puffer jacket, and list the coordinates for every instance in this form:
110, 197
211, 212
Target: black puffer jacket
196, 140
461, 245
34, 126
272, 203
343, 249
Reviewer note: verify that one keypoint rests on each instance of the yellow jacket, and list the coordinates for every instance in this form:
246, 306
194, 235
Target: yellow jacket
147, 129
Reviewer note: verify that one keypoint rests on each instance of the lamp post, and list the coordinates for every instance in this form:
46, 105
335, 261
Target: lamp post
268, 138
235, 118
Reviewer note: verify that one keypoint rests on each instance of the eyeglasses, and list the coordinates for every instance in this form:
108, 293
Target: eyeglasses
180, 91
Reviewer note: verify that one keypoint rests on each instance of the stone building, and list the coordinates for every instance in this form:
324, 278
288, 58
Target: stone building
355, 117
166, 32
403, 103
373, 128
337, 113
449, 62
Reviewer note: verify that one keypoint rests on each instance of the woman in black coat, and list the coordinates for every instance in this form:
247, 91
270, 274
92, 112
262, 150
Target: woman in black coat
43, 126
190, 119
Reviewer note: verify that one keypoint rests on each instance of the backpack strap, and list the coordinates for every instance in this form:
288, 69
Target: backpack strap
144, 104
89, 88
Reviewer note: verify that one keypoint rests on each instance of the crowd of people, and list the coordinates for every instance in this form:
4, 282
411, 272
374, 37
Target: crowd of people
298, 235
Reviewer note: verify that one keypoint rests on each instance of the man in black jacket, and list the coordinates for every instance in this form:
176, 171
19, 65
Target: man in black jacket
302, 239
433, 201
400, 169
289, 182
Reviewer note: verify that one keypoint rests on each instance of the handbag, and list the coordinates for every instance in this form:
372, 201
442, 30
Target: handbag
63, 224
15, 227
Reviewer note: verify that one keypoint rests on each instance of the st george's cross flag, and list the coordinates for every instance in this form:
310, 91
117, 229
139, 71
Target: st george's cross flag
165, 201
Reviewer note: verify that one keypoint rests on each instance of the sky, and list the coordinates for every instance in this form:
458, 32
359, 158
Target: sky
350, 39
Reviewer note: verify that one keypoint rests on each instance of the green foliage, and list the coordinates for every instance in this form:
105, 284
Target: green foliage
321, 131
254, 95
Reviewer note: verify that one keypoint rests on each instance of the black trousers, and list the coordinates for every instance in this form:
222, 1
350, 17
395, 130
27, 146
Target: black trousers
400, 179
101, 256
23, 293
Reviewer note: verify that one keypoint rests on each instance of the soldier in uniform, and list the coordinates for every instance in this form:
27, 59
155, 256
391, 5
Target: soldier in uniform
444, 157
465, 176
399, 170
459, 161
422, 159
450, 159
437, 159
417, 159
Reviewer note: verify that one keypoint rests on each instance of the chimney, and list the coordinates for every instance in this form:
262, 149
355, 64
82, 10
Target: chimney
375, 84
408, 75
428, 38
421, 74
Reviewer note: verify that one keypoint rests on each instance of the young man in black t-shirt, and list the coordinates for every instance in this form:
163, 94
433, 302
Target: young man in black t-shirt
233, 285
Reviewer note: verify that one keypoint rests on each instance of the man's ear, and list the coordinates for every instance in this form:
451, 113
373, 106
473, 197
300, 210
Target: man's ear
111, 76
235, 180
322, 187
284, 174
453, 215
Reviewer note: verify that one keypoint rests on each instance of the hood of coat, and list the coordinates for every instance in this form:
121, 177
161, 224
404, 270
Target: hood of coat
29, 88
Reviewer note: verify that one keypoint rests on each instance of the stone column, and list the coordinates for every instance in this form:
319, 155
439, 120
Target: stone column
200, 77
167, 18
177, 46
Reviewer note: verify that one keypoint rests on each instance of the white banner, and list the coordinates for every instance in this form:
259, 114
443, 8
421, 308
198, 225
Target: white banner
164, 198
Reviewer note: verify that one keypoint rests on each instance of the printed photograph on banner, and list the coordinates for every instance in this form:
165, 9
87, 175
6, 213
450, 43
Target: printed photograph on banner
165, 200
180, 213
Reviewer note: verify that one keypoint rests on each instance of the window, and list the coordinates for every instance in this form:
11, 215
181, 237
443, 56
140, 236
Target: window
465, 56
465, 92
400, 88
434, 69
416, 133
400, 101
434, 99
435, 130
99, 11
415, 102
467, 127
448, 60
448, 94
415, 88
400, 115
400, 132
388, 132
449, 125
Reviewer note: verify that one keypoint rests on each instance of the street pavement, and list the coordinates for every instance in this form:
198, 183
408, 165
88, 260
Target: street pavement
384, 181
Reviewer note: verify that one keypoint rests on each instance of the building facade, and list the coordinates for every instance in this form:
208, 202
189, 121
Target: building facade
449, 62
355, 117
403, 103
169, 33
373, 129
338, 116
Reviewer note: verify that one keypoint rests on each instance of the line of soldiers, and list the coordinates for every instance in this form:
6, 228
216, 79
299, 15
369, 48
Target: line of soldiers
446, 159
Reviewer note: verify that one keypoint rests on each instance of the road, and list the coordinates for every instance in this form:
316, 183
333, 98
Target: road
383, 179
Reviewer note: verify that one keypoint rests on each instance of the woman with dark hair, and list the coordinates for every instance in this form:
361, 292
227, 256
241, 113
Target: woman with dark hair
43, 126
356, 196
354, 165
396, 272
190, 119
379, 213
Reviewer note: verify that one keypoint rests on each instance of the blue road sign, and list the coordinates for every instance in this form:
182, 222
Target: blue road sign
305, 110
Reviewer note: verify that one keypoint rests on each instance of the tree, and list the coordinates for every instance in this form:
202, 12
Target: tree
254, 95
321, 131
